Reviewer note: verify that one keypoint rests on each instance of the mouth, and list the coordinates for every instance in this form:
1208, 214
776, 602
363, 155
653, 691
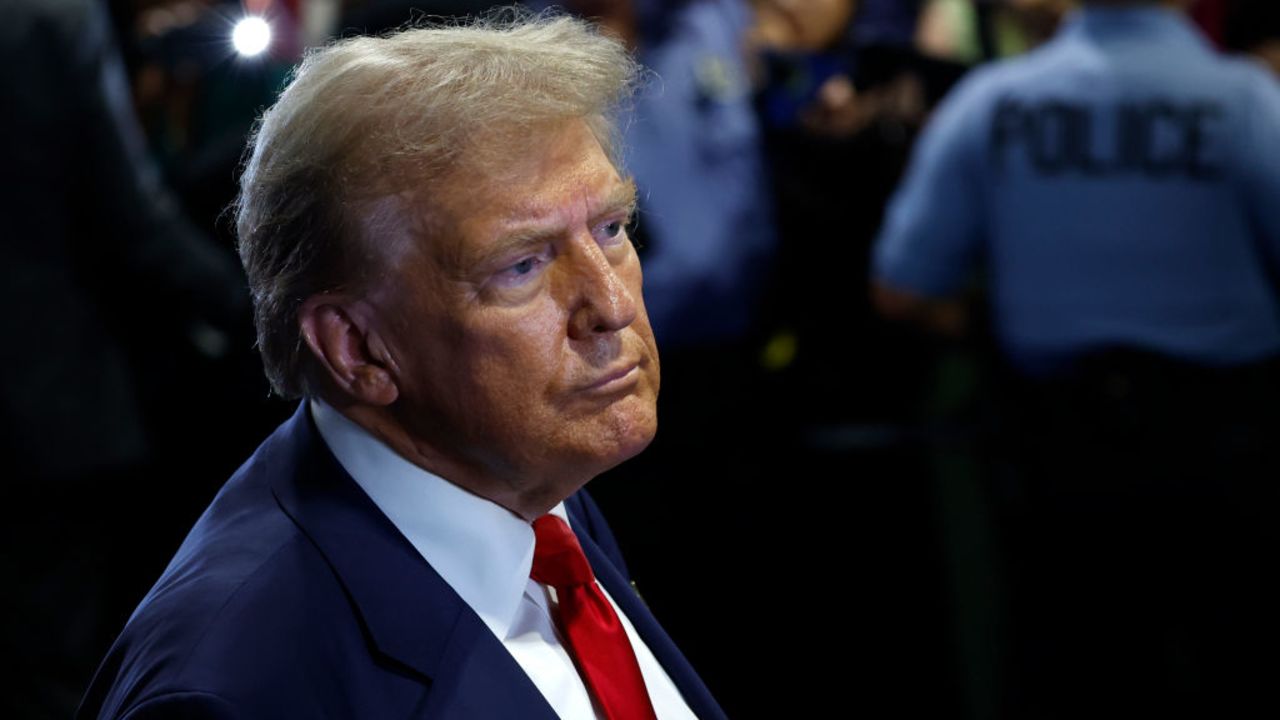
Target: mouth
621, 377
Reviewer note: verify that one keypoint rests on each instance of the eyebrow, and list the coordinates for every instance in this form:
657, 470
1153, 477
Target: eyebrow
622, 197
620, 200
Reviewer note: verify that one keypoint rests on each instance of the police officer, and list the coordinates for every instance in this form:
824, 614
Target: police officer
1119, 191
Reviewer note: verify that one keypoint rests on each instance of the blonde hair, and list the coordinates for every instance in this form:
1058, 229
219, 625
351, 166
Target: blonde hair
368, 117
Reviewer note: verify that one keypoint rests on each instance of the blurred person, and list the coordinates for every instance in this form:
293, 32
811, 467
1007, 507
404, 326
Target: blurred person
694, 146
1026, 24
94, 248
951, 29
808, 24
841, 95
1116, 189
434, 227
971, 31
809, 66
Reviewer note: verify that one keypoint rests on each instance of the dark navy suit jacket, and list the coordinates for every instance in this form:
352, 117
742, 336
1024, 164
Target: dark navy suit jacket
295, 597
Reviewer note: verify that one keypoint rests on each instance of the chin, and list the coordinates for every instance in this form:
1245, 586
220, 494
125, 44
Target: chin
630, 433
633, 446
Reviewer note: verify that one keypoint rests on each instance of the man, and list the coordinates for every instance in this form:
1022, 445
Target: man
434, 233
1118, 187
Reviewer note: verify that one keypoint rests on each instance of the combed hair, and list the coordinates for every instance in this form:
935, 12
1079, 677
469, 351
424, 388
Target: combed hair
368, 117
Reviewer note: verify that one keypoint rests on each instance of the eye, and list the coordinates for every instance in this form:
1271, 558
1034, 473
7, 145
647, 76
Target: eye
523, 270
609, 233
524, 267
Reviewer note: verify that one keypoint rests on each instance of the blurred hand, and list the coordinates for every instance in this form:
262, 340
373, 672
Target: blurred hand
841, 111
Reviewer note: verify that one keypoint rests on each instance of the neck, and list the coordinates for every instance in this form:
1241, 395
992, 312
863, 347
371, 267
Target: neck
520, 492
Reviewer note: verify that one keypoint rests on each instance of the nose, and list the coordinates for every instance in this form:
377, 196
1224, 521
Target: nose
603, 301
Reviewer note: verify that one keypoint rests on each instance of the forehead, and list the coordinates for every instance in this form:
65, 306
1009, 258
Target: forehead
553, 173
535, 173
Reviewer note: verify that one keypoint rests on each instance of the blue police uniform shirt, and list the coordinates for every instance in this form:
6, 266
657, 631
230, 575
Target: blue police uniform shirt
1120, 186
694, 145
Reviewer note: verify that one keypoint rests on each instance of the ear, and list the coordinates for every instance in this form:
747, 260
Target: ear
346, 346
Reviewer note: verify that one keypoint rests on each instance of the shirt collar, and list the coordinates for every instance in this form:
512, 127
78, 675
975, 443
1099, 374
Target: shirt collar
483, 550
1126, 20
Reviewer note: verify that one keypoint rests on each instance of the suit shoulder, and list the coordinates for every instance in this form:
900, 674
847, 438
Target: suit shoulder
247, 604
221, 624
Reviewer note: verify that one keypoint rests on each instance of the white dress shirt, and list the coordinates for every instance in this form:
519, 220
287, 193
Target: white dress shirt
484, 552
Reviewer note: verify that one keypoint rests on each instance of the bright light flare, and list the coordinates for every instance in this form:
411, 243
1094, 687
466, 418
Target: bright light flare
251, 36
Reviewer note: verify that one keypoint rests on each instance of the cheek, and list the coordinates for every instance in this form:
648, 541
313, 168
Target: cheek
633, 275
642, 328
518, 356
543, 332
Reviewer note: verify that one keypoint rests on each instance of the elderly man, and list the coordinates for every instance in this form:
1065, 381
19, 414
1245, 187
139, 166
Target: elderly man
435, 235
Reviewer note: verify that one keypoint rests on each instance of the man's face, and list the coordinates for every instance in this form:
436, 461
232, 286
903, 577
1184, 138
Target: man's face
521, 346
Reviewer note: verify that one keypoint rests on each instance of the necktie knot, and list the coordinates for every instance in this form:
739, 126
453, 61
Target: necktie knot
557, 557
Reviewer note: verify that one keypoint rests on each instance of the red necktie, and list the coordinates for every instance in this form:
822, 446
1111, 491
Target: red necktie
597, 641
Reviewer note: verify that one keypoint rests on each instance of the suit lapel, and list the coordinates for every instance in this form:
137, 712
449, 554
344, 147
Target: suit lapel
686, 680
413, 616
479, 679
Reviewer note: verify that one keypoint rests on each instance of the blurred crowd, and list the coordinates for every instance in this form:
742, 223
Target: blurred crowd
875, 458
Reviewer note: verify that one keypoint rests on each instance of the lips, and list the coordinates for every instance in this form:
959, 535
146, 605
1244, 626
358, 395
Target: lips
617, 378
